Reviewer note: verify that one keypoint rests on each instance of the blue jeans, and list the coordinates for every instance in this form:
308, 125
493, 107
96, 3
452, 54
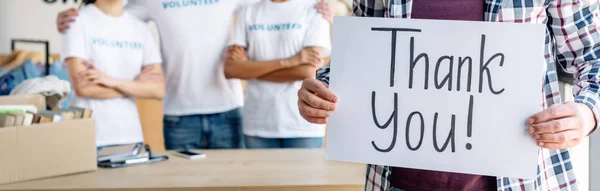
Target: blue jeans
253, 142
210, 131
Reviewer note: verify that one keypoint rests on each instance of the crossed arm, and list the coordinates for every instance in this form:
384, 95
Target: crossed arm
298, 67
89, 82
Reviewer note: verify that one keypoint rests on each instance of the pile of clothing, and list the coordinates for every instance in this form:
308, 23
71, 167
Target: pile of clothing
23, 73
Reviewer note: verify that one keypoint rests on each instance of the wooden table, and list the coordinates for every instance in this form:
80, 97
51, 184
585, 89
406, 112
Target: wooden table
222, 170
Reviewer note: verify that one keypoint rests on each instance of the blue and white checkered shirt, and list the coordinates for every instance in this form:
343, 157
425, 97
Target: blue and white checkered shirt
571, 41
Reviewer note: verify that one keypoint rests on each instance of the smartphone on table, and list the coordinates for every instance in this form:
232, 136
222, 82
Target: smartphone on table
189, 154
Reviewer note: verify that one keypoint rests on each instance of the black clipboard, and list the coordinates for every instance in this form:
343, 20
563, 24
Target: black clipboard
133, 161
120, 164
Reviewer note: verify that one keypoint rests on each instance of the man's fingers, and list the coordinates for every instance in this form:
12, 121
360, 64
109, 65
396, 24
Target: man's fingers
315, 101
562, 145
320, 89
324, 11
66, 21
95, 81
553, 126
320, 4
91, 65
309, 110
314, 61
316, 55
64, 18
555, 111
91, 78
69, 13
63, 29
92, 73
558, 137
315, 120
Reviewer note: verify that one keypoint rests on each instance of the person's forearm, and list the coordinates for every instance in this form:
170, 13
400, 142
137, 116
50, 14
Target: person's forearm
98, 92
290, 74
137, 89
250, 69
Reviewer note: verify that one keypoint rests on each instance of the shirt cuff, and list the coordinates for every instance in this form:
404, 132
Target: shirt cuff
323, 73
593, 101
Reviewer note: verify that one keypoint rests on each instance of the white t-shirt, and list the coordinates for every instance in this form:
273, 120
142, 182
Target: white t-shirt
272, 31
194, 35
120, 47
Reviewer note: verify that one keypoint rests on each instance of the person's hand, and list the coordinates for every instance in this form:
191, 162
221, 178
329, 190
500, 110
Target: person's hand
327, 11
93, 76
308, 56
315, 101
65, 18
236, 53
562, 125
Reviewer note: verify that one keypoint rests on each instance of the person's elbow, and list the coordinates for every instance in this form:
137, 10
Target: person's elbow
159, 92
81, 91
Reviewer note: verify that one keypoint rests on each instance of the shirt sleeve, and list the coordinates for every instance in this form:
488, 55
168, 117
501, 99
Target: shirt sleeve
574, 25
151, 51
318, 33
138, 9
369, 8
74, 41
323, 73
238, 37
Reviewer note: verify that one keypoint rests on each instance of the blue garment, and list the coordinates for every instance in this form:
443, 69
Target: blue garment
7, 83
27, 71
210, 131
253, 142
30, 70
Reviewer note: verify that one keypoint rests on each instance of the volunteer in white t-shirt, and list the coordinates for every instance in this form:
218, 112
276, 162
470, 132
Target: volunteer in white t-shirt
201, 106
112, 59
284, 41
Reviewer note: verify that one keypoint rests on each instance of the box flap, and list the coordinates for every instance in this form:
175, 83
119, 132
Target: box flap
34, 99
8, 162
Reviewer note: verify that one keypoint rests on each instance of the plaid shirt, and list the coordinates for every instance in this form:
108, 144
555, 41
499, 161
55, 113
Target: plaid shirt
571, 41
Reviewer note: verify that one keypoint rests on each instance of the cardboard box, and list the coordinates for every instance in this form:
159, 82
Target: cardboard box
47, 150
37, 100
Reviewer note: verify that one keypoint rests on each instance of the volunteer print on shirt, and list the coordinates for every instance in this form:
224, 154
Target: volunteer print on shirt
187, 3
194, 35
272, 31
119, 47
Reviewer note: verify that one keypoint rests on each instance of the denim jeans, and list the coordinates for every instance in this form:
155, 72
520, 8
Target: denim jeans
253, 142
210, 131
